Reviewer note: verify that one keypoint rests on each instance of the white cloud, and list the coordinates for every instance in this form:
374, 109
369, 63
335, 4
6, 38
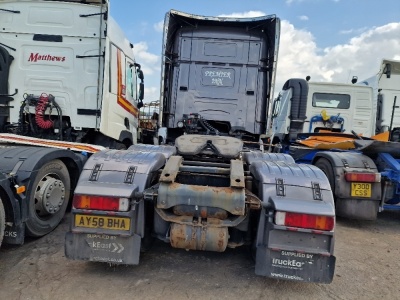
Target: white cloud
361, 55
248, 14
151, 94
159, 26
299, 55
143, 28
150, 62
303, 18
151, 66
288, 2
353, 30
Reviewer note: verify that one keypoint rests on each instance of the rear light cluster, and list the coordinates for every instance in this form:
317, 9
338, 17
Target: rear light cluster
101, 203
362, 177
304, 221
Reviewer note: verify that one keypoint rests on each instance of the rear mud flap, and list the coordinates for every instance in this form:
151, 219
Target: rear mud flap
357, 209
289, 265
103, 248
14, 234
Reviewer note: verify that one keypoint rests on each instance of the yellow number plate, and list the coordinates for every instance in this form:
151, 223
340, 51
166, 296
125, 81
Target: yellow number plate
104, 222
361, 189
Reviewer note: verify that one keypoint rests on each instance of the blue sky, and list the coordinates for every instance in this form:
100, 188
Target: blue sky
330, 40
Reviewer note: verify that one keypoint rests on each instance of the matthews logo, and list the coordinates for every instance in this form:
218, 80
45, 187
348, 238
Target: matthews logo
35, 57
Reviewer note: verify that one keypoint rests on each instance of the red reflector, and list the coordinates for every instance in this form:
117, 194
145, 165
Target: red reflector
96, 202
362, 177
305, 221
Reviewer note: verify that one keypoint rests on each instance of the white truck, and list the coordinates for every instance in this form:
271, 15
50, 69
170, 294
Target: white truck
310, 107
68, 80
309, 118
386, 89
367, 108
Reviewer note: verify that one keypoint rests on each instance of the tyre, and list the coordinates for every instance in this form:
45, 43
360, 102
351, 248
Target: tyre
48, 198
326, 167
120, 146
2, 221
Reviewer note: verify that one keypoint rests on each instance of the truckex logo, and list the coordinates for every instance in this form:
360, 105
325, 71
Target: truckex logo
287, 262
35, 57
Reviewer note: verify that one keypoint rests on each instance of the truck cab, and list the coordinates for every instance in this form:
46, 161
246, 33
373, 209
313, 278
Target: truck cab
67, 73
386, 93
69, 86
312, 107
225, 82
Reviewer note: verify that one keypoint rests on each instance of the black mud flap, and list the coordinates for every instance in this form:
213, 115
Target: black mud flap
103, 248
289, 265
357, 209
15, 234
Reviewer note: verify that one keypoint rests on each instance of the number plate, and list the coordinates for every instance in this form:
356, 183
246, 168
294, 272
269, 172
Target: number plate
104, 222
361, 189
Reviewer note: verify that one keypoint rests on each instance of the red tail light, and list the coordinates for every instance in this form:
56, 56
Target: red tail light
100, 203
304, 221
362, 177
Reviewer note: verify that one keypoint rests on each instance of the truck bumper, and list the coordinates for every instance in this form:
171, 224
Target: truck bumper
103, 248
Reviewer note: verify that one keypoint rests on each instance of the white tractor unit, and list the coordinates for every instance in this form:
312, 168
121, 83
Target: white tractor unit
68, 81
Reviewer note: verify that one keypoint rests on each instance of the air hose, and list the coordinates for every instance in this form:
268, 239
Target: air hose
40, 110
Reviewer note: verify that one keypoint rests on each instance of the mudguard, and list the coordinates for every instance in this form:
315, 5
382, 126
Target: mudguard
14, 232
20, 164
117, 173
25, 161
347, 206
281, 252
167, 151
255, 156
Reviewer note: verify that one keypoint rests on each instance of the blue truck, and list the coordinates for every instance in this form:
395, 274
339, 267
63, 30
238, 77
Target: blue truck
349, 131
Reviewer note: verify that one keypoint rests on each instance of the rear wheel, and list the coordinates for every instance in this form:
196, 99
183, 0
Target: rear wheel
326, 167
48, 198
2, 221
120, 146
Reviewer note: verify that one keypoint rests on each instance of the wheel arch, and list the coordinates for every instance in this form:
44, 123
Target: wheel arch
347, 205
330, 156
126, 138
25, 162
336, 161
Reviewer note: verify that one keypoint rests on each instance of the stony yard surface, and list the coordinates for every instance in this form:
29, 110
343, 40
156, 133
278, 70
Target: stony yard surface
367, 267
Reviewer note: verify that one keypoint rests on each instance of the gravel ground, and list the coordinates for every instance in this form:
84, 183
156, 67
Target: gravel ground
367, 267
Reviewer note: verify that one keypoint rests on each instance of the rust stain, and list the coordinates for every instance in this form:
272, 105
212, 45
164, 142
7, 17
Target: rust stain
202, 188
199, 237
203, 212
